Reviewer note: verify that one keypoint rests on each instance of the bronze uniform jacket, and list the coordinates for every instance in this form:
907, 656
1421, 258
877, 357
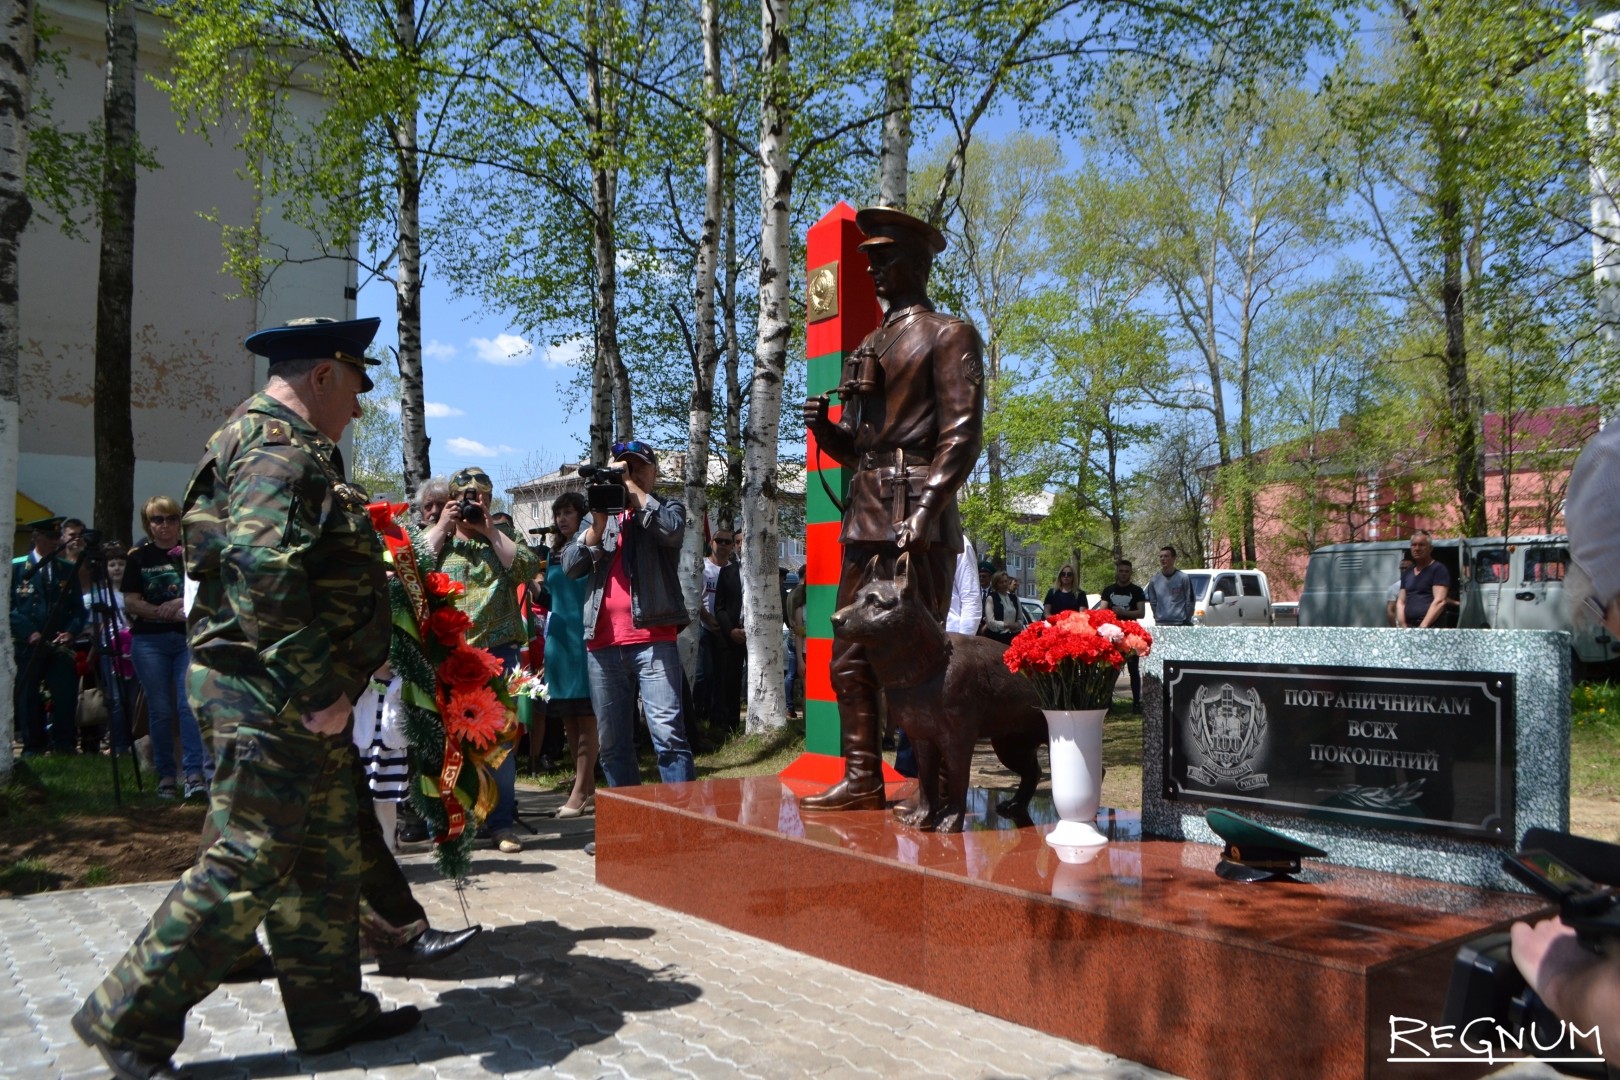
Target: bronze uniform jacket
931, 406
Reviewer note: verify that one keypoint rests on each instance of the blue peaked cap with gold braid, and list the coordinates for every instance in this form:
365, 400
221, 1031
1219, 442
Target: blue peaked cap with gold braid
318, 338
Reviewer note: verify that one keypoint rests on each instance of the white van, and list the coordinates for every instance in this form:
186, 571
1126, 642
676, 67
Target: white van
1230, 597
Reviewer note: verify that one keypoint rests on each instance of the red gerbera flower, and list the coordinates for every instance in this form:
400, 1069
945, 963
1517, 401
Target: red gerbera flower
475, 716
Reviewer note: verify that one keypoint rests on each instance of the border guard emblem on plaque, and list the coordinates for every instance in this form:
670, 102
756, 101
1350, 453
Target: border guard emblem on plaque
1228, 728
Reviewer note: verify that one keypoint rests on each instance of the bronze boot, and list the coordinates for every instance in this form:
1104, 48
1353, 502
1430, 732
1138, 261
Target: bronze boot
862, 785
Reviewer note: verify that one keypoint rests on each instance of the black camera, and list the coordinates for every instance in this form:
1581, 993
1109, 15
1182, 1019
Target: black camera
471, 511
605, 492
1485, 983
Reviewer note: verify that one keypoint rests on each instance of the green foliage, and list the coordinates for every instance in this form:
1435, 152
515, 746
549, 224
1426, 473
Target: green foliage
65, 167
1472, 146
378, 466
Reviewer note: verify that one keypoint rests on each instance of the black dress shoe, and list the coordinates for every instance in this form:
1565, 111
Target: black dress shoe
385, 1025
425, 948
125, 1064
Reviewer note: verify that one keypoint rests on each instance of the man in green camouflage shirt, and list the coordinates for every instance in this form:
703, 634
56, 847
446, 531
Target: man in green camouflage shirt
290, 620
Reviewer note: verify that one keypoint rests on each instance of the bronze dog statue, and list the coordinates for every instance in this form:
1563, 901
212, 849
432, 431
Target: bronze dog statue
947, 691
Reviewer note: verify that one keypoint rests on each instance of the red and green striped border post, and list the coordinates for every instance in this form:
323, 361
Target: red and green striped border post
842, 309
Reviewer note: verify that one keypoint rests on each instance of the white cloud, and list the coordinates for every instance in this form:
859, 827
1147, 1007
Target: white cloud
508, 350
473, 448
439, 410
438, 350
566, 353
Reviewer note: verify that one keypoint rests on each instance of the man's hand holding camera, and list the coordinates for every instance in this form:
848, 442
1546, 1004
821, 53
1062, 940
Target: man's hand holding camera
1576, 984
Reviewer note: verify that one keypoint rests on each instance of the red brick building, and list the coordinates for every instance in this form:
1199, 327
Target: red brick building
1328, 490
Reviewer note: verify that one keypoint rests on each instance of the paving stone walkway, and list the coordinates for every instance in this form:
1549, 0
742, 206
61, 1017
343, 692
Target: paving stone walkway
568, 980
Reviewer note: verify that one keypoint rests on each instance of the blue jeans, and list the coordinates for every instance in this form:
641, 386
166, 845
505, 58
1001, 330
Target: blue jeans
504, 815
160, 664
615, 672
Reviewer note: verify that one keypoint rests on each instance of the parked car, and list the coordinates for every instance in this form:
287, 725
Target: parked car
1230, 597
1499, 583
1032, 609
1285, 613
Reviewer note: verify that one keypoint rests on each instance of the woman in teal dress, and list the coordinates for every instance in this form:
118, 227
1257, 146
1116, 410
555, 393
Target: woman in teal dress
566, 684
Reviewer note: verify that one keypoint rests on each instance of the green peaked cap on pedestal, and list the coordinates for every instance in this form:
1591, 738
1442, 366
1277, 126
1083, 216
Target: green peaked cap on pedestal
1254, 852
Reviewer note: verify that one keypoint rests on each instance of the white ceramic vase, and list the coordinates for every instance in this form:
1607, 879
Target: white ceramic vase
1075, 739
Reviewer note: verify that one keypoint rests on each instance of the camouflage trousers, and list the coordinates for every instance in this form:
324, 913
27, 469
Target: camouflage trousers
280, 848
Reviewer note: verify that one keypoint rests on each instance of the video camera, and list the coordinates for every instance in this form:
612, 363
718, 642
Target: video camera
605, 493
1484, 980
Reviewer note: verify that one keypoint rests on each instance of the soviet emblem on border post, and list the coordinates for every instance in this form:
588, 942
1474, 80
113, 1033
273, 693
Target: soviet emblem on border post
821, 293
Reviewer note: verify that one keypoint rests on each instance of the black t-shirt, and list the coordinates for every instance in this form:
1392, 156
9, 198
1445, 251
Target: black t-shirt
1419, 586
156, 577
1122, 598
1060, 600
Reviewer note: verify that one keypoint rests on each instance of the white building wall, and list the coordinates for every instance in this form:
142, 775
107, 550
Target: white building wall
189, 370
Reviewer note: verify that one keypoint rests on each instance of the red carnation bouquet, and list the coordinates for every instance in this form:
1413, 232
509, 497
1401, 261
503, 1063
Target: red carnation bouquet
1074, 657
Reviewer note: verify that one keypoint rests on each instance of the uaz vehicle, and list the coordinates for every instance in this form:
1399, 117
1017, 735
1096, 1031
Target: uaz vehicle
1500, 583
1230, 597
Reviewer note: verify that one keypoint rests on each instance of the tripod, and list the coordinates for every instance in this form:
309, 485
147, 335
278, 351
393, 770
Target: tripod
104, 619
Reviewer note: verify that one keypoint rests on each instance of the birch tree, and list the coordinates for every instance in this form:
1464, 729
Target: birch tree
762, 600
16, 70
355, 180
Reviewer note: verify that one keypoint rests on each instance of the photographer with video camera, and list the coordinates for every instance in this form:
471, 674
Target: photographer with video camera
473, 550
631, 553
1576, 983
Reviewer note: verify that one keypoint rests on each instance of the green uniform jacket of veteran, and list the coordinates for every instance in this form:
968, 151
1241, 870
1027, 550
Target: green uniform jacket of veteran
292, 604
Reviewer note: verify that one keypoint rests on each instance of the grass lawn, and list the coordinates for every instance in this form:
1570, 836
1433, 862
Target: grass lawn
1594, 761
60, 827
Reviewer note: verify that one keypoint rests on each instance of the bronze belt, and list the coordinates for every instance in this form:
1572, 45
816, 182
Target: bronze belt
880, 459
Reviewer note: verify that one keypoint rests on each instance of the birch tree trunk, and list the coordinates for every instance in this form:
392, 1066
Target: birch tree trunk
16, 68
115, 285
762, 597
733, 361
415, 460
706, 350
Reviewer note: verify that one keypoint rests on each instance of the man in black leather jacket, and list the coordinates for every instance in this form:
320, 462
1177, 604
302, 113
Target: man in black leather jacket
632, 615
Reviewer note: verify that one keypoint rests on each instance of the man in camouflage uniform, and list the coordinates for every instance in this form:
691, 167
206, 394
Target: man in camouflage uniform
291, 618
46, 613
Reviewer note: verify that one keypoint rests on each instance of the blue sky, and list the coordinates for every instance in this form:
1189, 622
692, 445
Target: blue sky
494, 399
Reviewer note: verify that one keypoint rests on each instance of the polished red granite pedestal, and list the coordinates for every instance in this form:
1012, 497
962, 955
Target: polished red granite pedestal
1141, 951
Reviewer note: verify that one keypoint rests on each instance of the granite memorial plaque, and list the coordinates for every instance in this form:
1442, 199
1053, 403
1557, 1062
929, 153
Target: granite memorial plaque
1387, 749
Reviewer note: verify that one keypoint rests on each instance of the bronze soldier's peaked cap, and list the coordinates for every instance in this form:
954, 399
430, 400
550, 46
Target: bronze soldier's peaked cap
886, 225
318, 338
1254, 852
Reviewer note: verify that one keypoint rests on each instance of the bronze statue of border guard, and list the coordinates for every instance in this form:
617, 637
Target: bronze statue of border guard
912, 424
